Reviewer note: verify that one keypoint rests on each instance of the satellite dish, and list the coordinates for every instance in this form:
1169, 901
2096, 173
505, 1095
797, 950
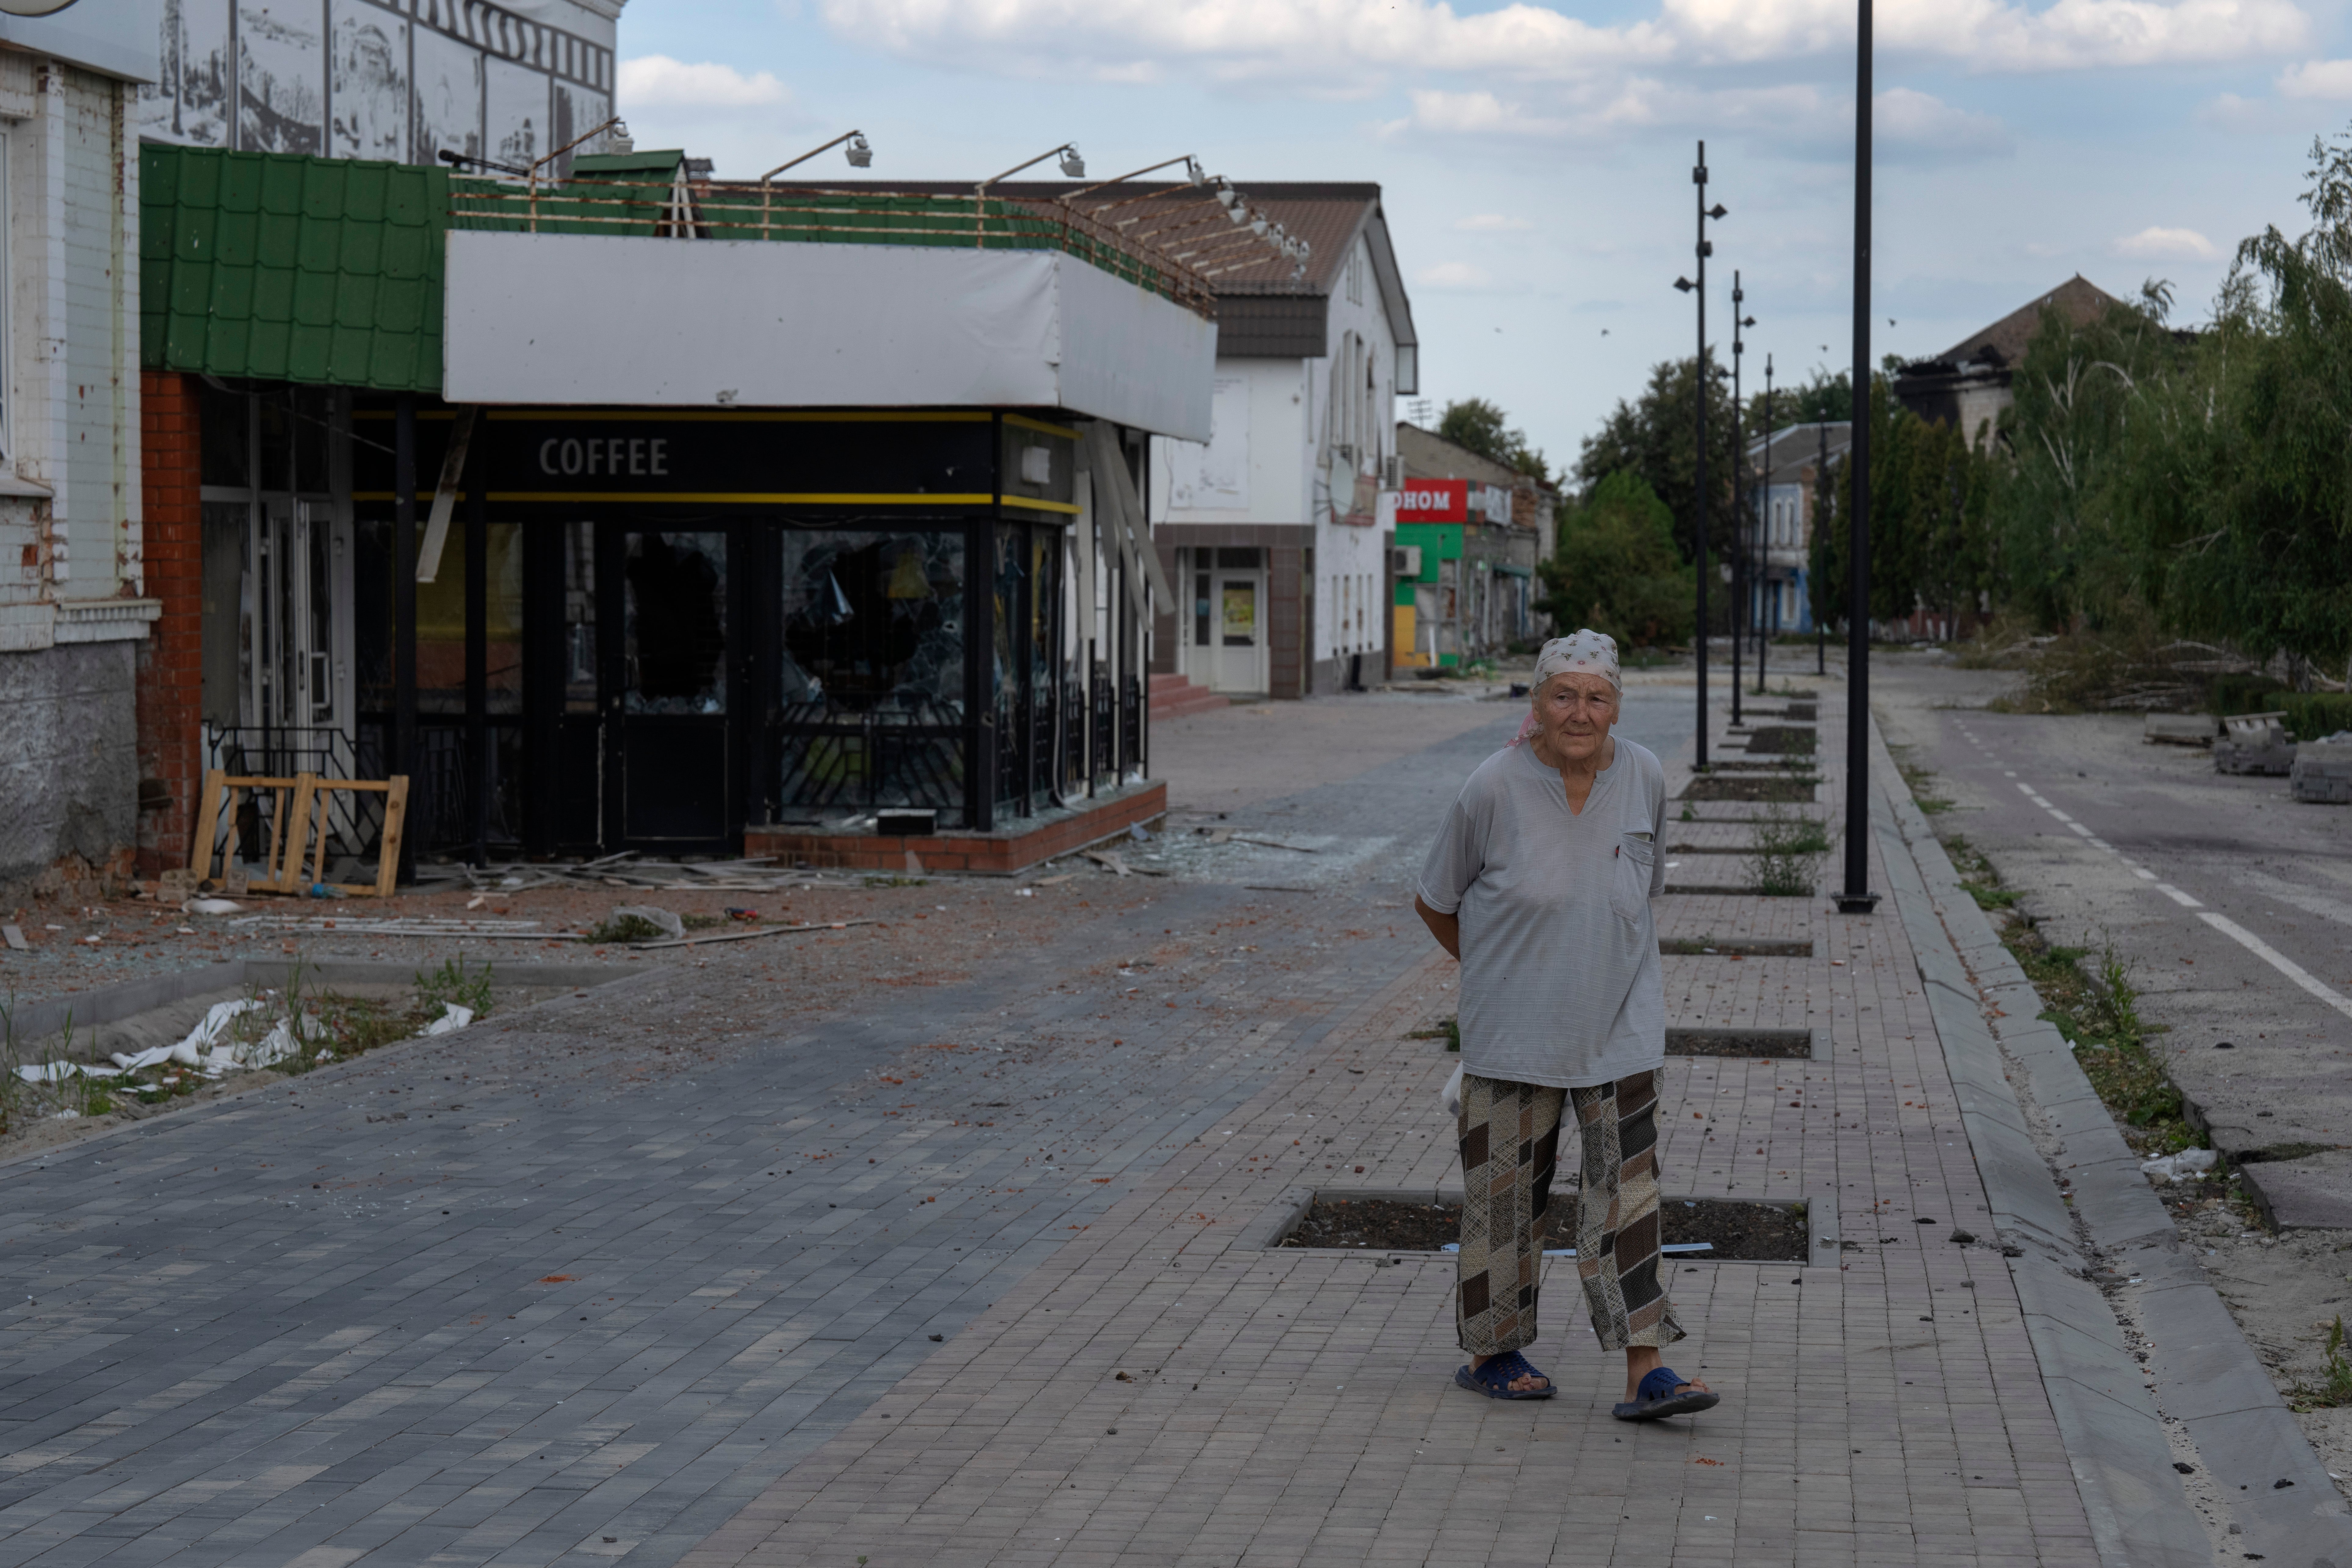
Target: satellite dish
34, 7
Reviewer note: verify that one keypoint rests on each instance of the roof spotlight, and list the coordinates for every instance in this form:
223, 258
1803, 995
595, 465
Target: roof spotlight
1072, 164
859, 151
1685, 284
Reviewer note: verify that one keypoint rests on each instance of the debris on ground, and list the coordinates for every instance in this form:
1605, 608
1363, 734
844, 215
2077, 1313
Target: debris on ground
2173, 1167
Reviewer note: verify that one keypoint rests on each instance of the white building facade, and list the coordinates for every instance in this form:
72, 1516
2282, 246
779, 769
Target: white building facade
72, 605
1271, 532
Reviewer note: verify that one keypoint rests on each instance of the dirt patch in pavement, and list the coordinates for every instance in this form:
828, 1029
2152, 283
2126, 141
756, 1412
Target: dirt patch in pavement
1737, 1232
1754, 789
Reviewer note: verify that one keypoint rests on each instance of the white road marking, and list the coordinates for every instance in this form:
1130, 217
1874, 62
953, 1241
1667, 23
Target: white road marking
2143, 873
2278, 961
2075, 825
2177, 896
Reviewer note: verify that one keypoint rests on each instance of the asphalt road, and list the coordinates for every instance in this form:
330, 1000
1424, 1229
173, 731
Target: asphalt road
2230, 902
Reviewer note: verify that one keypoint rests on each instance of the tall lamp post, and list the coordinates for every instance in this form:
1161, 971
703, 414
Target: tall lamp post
1739, 571
1764, 535
1855, 898
1699, 518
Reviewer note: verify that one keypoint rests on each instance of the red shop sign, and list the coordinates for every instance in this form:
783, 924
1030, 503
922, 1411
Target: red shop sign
1434, 500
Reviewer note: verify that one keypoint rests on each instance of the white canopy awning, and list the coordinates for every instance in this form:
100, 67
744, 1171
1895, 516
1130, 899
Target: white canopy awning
593, 319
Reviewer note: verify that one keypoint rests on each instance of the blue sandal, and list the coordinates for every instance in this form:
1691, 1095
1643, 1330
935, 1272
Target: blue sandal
1494, 1379
1654, 1396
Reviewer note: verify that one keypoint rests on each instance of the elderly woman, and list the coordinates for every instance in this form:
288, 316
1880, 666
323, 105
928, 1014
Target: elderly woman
1540, 883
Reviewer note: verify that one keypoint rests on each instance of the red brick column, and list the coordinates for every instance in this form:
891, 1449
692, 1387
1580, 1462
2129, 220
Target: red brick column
171, 662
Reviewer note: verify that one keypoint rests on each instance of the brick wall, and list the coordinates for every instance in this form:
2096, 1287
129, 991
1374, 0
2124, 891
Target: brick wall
170, 661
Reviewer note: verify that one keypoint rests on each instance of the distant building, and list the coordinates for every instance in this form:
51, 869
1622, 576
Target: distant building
1791, 462
1475, 594
1270, 531
1967, 385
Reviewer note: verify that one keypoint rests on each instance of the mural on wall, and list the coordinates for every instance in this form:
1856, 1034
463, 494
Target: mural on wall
355, 78
368, 82
281, 90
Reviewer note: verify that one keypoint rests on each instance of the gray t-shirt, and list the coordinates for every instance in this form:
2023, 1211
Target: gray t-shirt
1560, 980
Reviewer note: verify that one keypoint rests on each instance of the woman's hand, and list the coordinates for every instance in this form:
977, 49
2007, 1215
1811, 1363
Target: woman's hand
1446, 928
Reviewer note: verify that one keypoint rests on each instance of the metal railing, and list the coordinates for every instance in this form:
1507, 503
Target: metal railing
716, 209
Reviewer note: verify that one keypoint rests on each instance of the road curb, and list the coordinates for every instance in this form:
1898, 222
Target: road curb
2206, 1376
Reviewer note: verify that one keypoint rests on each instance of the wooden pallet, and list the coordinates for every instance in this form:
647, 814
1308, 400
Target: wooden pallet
297, 830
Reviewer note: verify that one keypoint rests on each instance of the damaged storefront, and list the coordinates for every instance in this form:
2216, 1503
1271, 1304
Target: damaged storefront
739, 622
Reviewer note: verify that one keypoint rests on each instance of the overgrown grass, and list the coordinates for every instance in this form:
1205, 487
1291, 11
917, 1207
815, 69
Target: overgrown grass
1977, 876
1447, 1030
2334, 1385
453, 981
2098, 1009
1786, 861
1921, 784
2092, 1000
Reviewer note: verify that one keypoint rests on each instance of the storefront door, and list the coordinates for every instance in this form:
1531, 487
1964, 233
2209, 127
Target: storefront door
1229, 620
663, 599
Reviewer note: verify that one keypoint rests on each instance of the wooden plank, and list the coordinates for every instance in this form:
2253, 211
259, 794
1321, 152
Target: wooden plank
395, 814
200, 852
306, 794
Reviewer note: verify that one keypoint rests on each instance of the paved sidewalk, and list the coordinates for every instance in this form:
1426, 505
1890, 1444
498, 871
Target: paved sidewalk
1159, 1392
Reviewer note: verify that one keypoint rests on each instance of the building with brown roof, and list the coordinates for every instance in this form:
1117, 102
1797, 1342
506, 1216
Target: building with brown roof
1967, 385
1268, 531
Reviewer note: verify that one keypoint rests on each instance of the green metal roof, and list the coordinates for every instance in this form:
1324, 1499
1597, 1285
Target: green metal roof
286, 268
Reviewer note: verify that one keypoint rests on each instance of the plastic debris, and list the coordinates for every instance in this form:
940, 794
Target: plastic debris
652, 915
453, 1017
210, 907
2173, 1167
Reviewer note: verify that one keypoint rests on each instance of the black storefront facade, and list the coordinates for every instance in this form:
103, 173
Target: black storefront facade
652, 629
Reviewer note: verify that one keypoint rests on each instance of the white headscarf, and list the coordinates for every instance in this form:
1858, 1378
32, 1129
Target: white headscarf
1582, 652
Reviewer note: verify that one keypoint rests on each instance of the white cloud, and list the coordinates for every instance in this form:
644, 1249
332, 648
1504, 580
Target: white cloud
1919, 127
2317, 79
2154, 244
1491, 223
658, 81
1354, 45
1908, 126
1453, 274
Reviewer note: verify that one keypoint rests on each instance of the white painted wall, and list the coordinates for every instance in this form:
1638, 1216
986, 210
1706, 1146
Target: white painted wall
595, 318
69, 483
1299, 413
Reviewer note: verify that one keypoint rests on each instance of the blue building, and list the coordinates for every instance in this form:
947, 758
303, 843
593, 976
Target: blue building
1790, 462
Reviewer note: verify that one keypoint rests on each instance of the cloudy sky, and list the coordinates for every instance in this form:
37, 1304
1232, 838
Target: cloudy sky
1535, 158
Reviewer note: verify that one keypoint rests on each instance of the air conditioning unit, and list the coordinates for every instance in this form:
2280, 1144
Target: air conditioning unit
1392, 472
1404, 561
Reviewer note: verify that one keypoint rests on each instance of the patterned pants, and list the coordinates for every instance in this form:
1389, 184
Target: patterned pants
1510, 1149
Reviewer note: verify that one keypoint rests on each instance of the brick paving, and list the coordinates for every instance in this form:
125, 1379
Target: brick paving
1155, 1393
688, 1314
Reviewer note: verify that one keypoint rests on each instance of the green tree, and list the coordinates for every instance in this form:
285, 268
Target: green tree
1656, 436
2262, 554
1483, 427
1616, 568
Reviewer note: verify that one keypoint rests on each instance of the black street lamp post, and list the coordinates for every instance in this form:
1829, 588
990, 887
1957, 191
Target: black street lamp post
1741, 576
1764, 535
1855, 898
1700, 387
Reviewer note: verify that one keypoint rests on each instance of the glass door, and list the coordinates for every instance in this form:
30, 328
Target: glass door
1231, 620
667, 755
